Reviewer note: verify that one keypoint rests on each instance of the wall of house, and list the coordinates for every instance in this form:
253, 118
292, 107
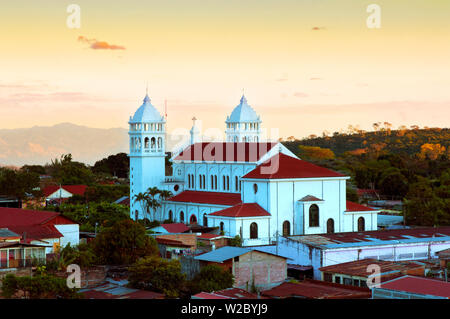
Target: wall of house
71, 234
263, 269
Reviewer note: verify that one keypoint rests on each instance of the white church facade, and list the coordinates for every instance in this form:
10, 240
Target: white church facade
256, 189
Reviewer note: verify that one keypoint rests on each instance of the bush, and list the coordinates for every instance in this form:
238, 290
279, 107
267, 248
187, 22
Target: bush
211, 278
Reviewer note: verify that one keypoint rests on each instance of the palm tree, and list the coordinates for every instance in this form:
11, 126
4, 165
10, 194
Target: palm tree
151, 201
142, 199
164, 194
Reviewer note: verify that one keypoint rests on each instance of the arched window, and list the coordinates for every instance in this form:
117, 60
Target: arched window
205, 220
153, 141
193, 220
221, 226
330, 226
136, 215
215, 181
182, 216
159, 142
314, 216
200, 181
236, 183
361, 224
223, 180
170, 215
189, 180
253, 230
146, 142
204, 181
255, 188
228, 183
286, 228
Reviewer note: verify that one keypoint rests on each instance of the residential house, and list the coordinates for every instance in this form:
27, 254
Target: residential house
249, 267
172, 246
58, 194
356, 273
43, 228
411, 287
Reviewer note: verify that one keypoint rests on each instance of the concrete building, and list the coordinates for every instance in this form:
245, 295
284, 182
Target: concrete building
392, 245
249, 267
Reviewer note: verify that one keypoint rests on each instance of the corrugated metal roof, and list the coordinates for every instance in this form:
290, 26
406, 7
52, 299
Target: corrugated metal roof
6, 233
222, 254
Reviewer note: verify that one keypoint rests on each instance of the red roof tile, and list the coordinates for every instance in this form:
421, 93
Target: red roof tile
208, 236
314, 289
354, 207
282, 166
242, 210
225, 152
215, 198
209, 295
175, 227
73, 189
419, 285
171, 242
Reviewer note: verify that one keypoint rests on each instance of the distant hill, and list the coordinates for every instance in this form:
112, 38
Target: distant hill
39, 144
407, 141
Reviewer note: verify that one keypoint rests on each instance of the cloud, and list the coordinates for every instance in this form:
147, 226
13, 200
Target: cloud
318, 28
100, 45
315, 79
300, 94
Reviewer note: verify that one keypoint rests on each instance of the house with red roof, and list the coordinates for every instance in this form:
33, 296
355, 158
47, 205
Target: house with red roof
43, 228
58, 193
246, 186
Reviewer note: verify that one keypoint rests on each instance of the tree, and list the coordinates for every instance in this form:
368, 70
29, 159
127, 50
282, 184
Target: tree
393, 183
18, 183
236, 241
156, 274
124, 243
211, 278
114, 165
315, 152
431, 151
68, 172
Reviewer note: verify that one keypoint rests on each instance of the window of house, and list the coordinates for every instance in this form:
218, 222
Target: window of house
361, 224
236, 259
253, 230
286, 228
337, 279
314, 216
348, 281
330, 226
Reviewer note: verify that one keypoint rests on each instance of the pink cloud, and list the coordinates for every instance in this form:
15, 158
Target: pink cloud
100, 45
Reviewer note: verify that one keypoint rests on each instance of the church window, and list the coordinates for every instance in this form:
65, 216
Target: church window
236, 183
193, 220
182, 216
228, 183
146, 141
314, 216
221, 226
253, 230
159, 142
204, 181
361, 224
205, 220
189, 180
215, 181
330, 226
176, 188
286, 228
170, 215
153, 142
223, 186
200, 181
255, 188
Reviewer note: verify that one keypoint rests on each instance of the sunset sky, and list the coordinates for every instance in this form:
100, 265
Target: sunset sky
306, 65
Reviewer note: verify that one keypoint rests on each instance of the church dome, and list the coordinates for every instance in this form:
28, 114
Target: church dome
146, 113
243, 113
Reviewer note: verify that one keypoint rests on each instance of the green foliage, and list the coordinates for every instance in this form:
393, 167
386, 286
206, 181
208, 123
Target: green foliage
101, 193
236, 241
314, 152
40, 286
352, 195
151, 200
211, 278
105, 214
124, 243
114, 165
18, 183
68, 172
156, 274
82, 255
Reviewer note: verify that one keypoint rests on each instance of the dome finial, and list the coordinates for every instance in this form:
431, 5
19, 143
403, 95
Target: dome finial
146, 99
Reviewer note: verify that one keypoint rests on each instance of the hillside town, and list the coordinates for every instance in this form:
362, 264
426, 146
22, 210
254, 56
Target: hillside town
243, 218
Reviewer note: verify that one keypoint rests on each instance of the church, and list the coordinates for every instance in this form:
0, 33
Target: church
246, 186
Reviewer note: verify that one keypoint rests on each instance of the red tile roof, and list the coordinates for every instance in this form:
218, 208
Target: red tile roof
73, 189
171, 242
354, 207
215, 198
242, 210
209, 295
314, 289
208, 236
282, 166
175, 227
359, 267
36, 224
419, 285
225, 152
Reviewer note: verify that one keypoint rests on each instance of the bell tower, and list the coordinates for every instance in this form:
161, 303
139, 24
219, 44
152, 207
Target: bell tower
147, 153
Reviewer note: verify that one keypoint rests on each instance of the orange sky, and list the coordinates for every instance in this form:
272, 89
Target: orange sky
306, 66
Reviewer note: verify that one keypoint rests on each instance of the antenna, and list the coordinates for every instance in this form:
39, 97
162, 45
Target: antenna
146, 89
165, 108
